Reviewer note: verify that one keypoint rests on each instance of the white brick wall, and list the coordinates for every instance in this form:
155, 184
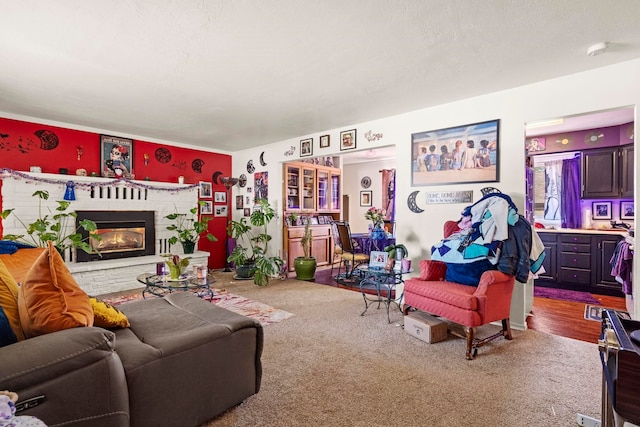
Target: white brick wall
99, 277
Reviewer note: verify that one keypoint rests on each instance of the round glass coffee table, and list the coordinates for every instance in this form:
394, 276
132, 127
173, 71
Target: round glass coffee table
162, 285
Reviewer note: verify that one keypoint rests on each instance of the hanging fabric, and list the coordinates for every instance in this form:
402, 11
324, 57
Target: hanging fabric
553, 189
570, 210
389, 193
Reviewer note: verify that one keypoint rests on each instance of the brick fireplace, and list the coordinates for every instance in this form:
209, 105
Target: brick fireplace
112, 273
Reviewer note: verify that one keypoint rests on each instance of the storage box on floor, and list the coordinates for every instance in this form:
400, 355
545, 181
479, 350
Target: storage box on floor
425, 327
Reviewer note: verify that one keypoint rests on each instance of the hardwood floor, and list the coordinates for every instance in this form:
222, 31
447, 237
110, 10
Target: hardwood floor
566, 318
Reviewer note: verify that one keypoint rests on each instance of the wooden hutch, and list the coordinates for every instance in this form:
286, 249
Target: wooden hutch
312, 193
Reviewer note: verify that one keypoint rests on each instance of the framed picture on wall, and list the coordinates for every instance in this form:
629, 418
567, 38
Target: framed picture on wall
365, 198
206, 207
456, 155
205, 190
220, 197
324, 141
626, 210
601, 210
348, 140
306, 147
220, 210
116, 156
239, 202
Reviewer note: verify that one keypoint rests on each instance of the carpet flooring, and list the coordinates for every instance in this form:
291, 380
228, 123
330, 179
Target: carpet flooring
329, 366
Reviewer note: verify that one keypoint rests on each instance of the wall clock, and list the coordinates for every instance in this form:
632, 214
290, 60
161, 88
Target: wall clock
365, 182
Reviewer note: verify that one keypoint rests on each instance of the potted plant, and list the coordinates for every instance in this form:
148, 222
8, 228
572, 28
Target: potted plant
250, 255
59, 228
397, 252
305, 266
188, 229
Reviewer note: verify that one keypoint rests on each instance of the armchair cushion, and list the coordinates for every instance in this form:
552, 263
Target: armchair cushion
432, 270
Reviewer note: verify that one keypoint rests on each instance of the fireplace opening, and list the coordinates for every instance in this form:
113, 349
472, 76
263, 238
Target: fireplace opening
124, 234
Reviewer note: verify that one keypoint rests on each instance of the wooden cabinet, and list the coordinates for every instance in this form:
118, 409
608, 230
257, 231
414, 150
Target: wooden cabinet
580, 261
321, 244
313, 193
607, 172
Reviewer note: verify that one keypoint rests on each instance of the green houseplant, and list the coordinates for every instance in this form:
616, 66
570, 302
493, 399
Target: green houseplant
59, 227
252, 243
397, 252
305, 266
188, 228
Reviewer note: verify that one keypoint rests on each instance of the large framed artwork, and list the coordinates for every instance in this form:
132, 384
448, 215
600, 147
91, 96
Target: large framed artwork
456, 155
116, 156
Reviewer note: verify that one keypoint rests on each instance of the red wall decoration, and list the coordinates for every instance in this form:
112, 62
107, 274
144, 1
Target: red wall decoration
55, 149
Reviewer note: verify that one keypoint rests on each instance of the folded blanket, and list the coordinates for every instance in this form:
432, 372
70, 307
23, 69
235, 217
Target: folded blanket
10, 247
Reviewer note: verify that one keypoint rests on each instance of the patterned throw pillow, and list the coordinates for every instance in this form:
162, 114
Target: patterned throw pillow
432, 270
49, 299
107, 316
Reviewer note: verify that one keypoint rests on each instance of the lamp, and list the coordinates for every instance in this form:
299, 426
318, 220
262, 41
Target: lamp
228, 182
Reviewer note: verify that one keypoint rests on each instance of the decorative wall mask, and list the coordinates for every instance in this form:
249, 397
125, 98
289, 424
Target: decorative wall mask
163, 155
215, 176
250, 167
196, 165
242, 180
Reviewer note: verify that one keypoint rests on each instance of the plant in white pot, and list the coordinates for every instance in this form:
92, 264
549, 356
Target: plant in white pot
399, 254
305, 266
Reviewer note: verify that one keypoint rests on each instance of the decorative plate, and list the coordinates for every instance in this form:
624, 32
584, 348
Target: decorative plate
250, 167
242, 180
365, 182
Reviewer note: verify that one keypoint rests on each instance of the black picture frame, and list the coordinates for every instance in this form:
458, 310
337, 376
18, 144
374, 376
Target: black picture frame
348, 140
601, 210
306, 147
116, 156
627, 210
456, 155
366, 198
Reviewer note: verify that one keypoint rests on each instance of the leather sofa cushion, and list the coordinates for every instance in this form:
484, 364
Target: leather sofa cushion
49, 299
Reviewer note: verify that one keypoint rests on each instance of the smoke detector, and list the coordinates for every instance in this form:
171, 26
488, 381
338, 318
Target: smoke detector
597, 49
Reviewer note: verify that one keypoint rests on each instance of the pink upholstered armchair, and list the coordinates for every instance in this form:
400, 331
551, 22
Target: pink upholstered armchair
466, 305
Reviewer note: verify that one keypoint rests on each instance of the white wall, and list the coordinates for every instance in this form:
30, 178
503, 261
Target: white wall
604, 88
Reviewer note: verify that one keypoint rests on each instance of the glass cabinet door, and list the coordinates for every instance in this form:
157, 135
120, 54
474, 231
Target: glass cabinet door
293, 187
335, 192
323, 190
308, 189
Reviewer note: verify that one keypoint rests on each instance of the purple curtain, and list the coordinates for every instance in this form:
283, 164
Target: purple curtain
570, 207
389, 193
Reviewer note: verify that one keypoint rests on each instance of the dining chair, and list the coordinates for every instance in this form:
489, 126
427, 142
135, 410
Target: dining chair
337, 248
351, 258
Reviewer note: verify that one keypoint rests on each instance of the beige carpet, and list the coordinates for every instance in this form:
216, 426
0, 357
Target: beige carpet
329, 366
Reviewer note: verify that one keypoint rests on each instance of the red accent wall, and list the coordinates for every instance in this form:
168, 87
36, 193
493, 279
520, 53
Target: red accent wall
25, 144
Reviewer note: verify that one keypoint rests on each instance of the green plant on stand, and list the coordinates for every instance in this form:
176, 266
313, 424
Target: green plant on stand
305, 266
59, 228
188, 229
250, 255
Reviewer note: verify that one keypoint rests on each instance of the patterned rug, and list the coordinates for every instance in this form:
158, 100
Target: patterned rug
564, 294
265, 314
594, 312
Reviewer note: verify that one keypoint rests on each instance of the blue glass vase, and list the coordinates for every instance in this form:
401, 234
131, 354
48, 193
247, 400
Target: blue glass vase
378, 233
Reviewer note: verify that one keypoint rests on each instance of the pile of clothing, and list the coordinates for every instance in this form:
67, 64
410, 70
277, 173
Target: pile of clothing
492, 236
622, 261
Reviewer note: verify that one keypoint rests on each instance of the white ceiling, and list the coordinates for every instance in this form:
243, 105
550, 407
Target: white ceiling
230, 75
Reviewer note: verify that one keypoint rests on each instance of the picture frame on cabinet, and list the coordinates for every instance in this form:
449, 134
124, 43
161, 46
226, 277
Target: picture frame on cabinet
456, 155
205, 190
348, 140
601, 210
365, 198
324, 141
306, 147
116, 156
626, 210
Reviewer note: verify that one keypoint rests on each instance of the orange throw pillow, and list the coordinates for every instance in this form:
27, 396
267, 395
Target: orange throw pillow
9, 300
49, 299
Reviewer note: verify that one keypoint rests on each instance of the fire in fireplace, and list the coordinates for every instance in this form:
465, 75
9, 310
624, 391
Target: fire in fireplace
124, 234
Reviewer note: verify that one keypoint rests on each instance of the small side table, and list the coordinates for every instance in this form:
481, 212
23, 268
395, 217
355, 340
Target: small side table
380, 281
162, 285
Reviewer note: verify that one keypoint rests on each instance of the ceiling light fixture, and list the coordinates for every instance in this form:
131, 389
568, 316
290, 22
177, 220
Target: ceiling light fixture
597, 49
544, 123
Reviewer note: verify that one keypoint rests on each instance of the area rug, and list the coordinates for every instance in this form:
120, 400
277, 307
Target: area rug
565, 295
594, 312
263, 313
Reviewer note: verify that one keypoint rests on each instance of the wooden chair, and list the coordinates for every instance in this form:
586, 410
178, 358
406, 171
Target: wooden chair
469, 306
337, 248
351, 258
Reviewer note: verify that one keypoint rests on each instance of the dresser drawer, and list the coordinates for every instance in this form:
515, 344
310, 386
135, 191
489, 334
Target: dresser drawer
572, 275
575, 247
576, 238
576, 260
548, 237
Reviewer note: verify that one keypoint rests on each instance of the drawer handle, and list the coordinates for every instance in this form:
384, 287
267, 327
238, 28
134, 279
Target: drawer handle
574, 276
575, 260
